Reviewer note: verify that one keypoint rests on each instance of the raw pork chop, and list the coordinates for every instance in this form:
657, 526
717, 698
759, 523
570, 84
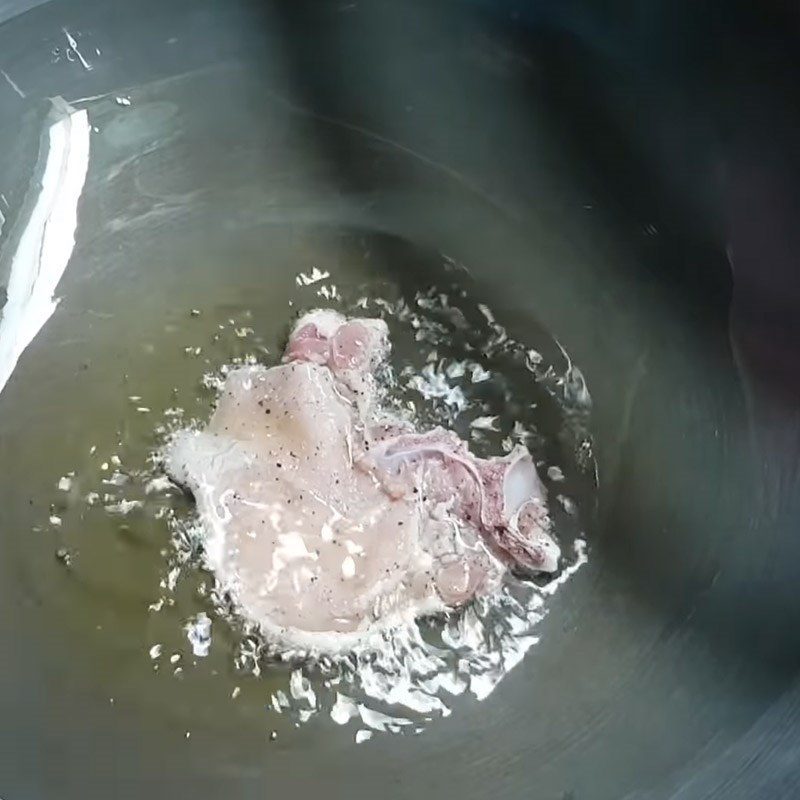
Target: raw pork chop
325, 521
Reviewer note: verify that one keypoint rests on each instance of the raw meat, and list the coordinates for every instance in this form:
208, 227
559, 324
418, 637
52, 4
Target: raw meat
325, 519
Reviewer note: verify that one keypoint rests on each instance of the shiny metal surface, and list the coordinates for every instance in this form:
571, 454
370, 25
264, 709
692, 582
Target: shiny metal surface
258, 136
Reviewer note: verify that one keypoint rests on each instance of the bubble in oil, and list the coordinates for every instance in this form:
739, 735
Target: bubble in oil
452, 364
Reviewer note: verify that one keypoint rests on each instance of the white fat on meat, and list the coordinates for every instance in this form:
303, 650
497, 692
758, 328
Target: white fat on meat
324, 524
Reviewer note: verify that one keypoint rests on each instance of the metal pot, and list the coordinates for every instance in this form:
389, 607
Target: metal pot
623, 177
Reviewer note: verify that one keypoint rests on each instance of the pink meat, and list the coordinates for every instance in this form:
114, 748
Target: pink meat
501, 497
323, 523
